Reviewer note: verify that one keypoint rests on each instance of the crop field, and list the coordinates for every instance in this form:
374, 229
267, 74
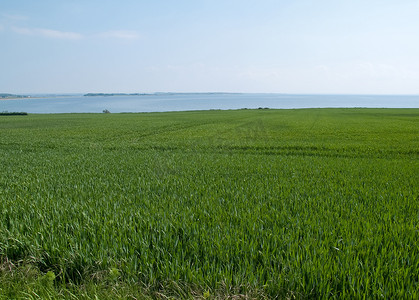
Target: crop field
307, 203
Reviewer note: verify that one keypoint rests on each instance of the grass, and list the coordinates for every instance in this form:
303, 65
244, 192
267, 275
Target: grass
310, 203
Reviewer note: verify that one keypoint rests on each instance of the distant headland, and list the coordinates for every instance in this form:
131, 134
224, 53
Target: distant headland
12, 96
112, 94
150, 94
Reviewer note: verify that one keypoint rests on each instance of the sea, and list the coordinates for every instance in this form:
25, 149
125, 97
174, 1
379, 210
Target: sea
162, 102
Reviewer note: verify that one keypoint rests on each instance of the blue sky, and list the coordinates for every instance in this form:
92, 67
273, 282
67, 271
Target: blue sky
283, 46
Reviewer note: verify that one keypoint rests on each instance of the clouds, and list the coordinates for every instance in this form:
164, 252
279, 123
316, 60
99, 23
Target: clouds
47, 33
120, 34
18, 24
13, 18
68, 35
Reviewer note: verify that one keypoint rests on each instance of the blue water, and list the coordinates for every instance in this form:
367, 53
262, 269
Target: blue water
183, 102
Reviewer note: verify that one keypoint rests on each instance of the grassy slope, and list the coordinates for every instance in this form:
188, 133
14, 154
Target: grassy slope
316, 202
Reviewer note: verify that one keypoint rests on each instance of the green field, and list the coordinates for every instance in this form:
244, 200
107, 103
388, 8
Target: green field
308, 203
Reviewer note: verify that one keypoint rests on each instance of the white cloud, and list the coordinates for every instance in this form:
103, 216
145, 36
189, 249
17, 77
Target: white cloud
48, 33
66, 35
120, 34
13, 17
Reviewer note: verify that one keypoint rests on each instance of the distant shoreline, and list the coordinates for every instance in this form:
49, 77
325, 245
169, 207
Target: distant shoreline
111, 94
13, 96
8, 96
39, 96
152, 94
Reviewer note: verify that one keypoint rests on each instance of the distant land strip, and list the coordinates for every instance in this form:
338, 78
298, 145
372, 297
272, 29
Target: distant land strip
6, 113
150, 94
112, 94
12, 96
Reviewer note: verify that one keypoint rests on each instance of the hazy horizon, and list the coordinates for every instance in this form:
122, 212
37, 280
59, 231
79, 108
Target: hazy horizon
214, 92
269, 46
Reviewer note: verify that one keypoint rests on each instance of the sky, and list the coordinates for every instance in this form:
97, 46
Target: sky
255, 46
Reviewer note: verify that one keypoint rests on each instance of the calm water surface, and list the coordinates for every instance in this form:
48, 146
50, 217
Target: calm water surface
182, 102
